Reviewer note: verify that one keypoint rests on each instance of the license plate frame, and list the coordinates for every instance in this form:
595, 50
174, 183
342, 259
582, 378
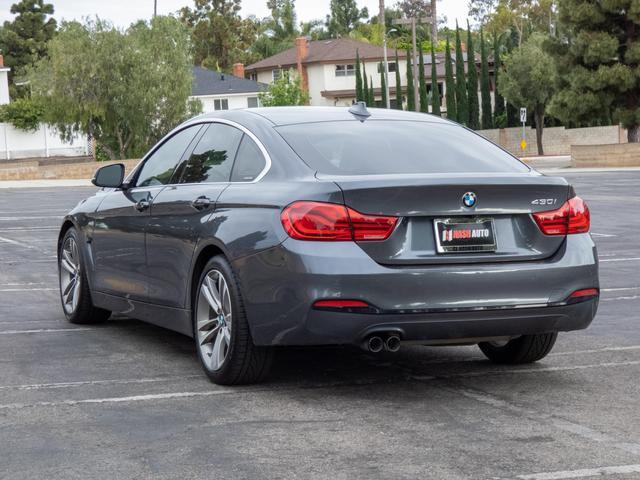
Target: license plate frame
484, 241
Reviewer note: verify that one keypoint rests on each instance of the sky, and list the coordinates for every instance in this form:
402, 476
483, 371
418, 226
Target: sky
124, 12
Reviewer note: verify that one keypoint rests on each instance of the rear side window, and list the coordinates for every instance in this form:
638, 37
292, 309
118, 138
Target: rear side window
212, 158
385, 147
249, 162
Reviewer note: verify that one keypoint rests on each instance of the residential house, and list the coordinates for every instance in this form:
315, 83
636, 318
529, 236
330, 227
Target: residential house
327, 69
221, 91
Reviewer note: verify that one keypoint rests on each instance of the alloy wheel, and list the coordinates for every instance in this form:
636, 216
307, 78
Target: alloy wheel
214, 320
70, 278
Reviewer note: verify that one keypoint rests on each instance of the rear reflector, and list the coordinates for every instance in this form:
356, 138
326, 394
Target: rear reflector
585, 292
331, 222
572, 217
340, 304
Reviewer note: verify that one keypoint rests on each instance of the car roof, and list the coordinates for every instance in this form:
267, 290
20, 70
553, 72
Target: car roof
294, 115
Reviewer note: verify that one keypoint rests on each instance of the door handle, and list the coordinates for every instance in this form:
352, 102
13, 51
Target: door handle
142, 205
201, 203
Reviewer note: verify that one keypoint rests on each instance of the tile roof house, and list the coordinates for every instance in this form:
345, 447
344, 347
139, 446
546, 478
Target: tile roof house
221, 91
327, 68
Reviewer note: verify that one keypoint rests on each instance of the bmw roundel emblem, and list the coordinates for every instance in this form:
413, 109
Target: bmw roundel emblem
469, 199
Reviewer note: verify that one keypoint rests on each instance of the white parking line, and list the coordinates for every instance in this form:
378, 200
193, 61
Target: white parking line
605, 235
633, 297
632, 259
40, 217
583, 473
46, 386
621, 289
28, 289
45, 330
597, 350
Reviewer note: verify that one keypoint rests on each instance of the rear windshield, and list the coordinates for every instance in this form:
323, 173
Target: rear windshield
382, 147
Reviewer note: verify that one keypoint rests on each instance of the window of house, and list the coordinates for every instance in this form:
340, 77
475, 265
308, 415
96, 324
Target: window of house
277, 74
392, 67
252, 102
254, 77
221, 104
440, 91
345, 70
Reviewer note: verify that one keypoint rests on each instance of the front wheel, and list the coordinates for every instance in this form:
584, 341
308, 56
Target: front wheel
221, 330
524, 349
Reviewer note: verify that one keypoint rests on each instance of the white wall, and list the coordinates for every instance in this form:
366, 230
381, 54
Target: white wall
236, 101
44, 142
4, 86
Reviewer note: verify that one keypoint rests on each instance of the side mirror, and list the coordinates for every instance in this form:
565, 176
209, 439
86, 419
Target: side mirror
110, 176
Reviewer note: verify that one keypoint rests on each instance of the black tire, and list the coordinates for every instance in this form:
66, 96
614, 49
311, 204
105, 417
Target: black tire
85, 312
244, 363
524, 349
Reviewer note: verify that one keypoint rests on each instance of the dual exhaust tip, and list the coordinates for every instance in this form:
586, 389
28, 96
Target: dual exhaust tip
376, 343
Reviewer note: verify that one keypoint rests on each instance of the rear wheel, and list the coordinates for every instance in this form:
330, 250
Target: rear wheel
74, 288
221, 330
524, 349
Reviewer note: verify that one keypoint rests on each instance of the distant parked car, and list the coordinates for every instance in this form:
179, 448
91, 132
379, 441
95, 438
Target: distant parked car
327, 226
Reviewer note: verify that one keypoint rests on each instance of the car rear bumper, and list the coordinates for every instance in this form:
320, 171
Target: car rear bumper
422, 303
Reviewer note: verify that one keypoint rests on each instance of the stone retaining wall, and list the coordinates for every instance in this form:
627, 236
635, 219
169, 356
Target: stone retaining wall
621, 155
32, 171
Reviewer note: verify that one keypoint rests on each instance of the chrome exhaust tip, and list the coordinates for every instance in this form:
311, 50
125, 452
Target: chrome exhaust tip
393, 343
375, 344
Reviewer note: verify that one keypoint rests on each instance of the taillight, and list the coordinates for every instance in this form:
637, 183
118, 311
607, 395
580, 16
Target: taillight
332, 222
344, 306
585, 292
572, 217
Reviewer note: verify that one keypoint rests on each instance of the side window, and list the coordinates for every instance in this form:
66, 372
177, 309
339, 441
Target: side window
159, 167
212, 159
249, 162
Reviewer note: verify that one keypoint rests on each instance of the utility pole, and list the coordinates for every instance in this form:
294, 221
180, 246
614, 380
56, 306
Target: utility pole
434, 22
414, 22
155, 8
385, 65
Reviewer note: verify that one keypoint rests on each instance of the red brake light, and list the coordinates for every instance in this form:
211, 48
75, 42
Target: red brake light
572, 217
585, 292
332, 222
340, 304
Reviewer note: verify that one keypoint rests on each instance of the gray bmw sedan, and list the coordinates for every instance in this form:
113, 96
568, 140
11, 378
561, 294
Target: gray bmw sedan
329, 226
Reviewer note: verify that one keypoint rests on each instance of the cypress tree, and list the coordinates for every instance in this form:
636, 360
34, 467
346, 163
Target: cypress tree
383, 83
462, 100
472, 83
359, 96
487, 117
499, 111
435, 92
450, 85
411, 102
372, 95
422, 85
398, 84
513, 116
365, 85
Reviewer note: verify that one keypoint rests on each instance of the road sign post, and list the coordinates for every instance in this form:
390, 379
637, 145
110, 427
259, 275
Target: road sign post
523, 119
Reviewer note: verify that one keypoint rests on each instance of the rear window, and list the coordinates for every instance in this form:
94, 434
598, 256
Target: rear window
383, 147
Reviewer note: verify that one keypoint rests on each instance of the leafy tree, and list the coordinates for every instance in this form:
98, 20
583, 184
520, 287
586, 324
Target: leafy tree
422, 87
359, 85
365, 85
411, 95
345, 16
485, 93
435, 92
528, 81
472, 83
383, 83
398, 84
24, 40
220, 36
23, 113
450, 85
598, 61
285, 91
462, 99
283, 19
126, 89
414, 8
500, 119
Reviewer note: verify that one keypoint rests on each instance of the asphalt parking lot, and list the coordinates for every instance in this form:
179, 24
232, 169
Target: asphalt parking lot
128, 400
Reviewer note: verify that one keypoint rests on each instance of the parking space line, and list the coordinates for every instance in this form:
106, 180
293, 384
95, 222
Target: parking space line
633, 297
45, 330
632, 259
597, 350
29, 289
46, 386
583, 473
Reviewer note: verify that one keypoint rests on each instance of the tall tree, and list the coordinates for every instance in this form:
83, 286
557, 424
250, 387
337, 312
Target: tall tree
383, 83
372, 95
472, 83
435, 91
598, 63
23, 41
126, 89
345, 16
500, 120
450, 85
462, 99
411, 96
398, 84
485, 92
359, 89
285, 91
219, 35
422, 87
528, 80
365, 85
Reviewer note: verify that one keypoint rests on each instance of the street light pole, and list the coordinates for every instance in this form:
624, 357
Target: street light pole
155, 8
386, 59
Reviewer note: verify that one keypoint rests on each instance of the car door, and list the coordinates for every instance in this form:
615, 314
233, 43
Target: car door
118, 240
180, 213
